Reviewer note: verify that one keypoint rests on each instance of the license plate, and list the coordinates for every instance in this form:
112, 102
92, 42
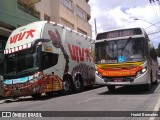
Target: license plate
118, 80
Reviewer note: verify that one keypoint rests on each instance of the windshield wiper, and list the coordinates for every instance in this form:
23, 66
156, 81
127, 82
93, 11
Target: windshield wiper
13, 73
129, 39
27, 70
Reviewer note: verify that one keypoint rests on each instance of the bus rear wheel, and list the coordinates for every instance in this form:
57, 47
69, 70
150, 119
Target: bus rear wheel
111, 88
78, 86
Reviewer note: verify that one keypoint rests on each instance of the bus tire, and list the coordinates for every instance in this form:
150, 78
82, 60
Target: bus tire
78, 85
36, 96
147, 87
49, 94
111, 88
66, 86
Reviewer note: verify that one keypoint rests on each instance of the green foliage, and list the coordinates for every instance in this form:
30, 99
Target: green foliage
158, 50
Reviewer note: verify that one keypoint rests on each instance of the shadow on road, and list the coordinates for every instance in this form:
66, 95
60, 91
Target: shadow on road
131, 90
45, 97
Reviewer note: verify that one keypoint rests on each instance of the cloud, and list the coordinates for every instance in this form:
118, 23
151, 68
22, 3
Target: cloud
121, 14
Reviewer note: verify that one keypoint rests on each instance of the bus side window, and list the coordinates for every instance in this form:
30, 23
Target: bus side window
49, 60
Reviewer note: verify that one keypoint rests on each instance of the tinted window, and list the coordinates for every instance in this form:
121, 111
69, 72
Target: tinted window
49, 60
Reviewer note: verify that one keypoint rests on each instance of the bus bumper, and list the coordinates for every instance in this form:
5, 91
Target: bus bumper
46, 84
136, 80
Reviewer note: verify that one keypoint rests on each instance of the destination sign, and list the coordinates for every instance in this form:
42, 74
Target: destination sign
119, 33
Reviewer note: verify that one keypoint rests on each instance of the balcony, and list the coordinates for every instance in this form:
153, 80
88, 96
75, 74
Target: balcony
29, 2
26, 7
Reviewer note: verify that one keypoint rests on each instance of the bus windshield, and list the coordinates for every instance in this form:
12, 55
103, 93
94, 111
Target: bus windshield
122, 50
20, 62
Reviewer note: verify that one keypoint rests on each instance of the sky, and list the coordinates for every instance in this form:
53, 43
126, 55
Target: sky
114, 14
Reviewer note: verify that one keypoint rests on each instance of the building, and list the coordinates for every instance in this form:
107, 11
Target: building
74, 14
15, 13
71, 13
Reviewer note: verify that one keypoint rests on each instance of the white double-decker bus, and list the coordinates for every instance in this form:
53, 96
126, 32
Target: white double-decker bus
125, 57
46, 57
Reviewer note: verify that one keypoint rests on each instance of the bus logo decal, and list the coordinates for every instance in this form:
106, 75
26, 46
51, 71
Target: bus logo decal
79, 54
20, 36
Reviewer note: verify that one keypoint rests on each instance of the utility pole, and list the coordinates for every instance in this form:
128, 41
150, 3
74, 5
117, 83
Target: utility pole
95, 27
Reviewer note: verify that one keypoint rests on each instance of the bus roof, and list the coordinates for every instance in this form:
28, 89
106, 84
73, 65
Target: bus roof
24, 35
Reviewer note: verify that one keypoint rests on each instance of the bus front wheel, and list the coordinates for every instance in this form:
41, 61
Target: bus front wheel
111, 88
147, 87
49, 94
66, 86
36, 96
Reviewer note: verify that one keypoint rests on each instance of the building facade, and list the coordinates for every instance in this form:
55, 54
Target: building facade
74, 14
15, 13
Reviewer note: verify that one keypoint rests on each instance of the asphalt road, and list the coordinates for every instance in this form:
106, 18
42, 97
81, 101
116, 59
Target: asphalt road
97, 99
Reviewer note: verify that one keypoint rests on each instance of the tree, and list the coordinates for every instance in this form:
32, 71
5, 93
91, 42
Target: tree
158, 50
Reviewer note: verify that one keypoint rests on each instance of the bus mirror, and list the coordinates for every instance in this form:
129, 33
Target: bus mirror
92, 49
38, 42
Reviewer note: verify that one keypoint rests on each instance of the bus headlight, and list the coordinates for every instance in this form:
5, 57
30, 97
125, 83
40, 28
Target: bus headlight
99, 74
36, 77
144, 70
141, 72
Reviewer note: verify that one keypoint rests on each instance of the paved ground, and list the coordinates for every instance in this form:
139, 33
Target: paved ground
97, 99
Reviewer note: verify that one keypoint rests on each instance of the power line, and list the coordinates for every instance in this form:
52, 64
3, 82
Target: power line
154, 33
153, 3
152, 25
147, 22
154, 38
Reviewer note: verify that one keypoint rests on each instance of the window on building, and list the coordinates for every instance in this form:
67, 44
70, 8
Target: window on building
46, 17
81, 31
66, 23
81, 13
68, 4
87, 1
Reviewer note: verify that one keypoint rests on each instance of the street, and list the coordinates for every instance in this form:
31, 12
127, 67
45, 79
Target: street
131, 98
